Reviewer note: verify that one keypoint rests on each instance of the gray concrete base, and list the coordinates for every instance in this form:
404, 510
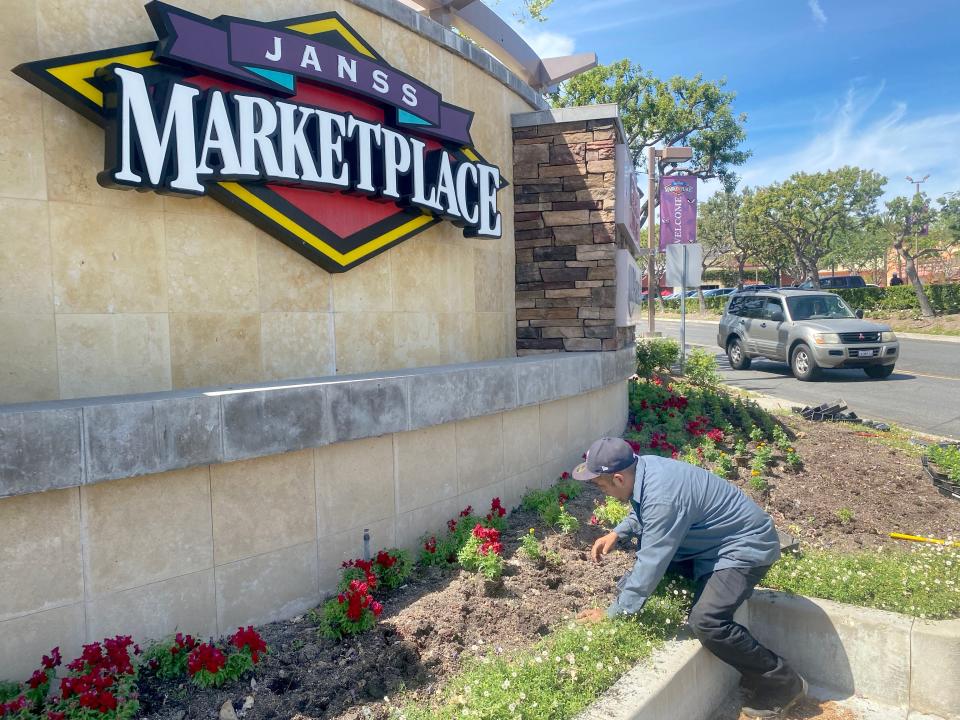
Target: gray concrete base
880, 665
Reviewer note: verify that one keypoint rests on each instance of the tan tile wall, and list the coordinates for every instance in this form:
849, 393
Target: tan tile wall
208, 549
107, 292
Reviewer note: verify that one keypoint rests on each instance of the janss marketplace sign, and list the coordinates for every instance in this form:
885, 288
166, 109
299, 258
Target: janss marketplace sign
298, 125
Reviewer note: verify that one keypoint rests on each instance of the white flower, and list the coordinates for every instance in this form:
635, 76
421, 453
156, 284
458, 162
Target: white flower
505, 684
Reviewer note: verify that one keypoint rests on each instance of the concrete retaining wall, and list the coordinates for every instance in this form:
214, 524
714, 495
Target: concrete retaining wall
202, 512
842, 650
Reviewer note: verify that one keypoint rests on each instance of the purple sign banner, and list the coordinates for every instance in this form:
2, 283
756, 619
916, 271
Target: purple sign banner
272, 58
678, 210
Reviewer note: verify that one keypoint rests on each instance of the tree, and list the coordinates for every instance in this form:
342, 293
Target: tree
919, 231
809, 212
860, 249
678, 111
717, 221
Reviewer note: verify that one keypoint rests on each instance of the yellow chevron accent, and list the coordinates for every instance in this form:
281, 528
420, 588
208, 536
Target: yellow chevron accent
76, 76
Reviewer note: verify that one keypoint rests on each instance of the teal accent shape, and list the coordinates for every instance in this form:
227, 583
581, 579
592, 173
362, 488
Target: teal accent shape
410, 119
280, 78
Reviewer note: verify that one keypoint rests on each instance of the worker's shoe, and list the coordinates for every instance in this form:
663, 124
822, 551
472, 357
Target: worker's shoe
758, 707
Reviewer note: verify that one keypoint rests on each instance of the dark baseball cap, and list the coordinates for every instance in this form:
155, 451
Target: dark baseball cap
606, 456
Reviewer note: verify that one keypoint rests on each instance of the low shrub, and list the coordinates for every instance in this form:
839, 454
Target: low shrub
656, 355
945, 298
701, 368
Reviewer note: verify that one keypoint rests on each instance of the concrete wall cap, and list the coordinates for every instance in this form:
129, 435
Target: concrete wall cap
583, 113
67, 443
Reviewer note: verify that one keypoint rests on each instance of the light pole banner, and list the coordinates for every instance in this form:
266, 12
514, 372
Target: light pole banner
678, 210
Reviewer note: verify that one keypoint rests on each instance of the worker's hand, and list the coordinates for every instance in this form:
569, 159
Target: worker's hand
591, 616
603, 545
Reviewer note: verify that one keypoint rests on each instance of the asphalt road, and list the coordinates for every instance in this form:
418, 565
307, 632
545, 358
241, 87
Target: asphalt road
923, 393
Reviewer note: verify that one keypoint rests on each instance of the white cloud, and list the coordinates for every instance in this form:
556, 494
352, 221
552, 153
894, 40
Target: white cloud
895, 144
548, 44
818, 14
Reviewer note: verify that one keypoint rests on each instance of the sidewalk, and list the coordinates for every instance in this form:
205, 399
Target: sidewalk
907, 336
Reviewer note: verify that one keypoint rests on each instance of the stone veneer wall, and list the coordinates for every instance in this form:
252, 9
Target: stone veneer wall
253, 533
105, 292
566, 239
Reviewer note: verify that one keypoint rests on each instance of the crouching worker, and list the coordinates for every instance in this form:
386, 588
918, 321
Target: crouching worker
684, 514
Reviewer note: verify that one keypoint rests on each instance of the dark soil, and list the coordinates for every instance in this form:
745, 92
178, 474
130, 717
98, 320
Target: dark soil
427, 626
443, 615
846, 468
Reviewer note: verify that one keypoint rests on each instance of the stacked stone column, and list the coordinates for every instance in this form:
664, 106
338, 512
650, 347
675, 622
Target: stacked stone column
566, 239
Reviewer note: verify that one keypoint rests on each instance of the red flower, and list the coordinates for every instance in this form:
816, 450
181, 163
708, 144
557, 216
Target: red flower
564, 475
377, 608
52, 660
452, 525
496, 509
206, 657
251, 639
593, 520
430, 545
54, 715
466, 511
644, 405
562, 498
657, 381
38, 678
386, 560
716, 434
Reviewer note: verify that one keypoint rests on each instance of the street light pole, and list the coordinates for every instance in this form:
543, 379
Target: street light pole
651, 242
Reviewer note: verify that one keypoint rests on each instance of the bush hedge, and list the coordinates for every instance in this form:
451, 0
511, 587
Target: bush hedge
945, 299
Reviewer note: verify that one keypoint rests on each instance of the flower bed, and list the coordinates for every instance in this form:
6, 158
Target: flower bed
477, 625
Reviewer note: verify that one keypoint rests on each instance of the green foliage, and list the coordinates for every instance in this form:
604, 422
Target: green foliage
563, 673
530, 546
656, 355
688, 111
566, 522
478, 556
921, 582
807, 213
392, 568
758, 483
611, 512
780, 438
8, 691
237, 664
845, 516
757, 435
740, 448
336, 623
944, 298
725, 467
793, 459
947, 459
168, 658
701, 368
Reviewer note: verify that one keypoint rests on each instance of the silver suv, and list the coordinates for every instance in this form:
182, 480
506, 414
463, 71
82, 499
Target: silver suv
808, 329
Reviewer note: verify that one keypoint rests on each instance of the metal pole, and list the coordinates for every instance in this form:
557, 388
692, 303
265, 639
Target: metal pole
651, 247
683, 311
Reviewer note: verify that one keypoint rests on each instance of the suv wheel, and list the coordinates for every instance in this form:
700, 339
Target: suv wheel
878, 372
739, 360
803, 365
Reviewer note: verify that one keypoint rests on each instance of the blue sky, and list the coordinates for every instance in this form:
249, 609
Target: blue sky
874, 83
